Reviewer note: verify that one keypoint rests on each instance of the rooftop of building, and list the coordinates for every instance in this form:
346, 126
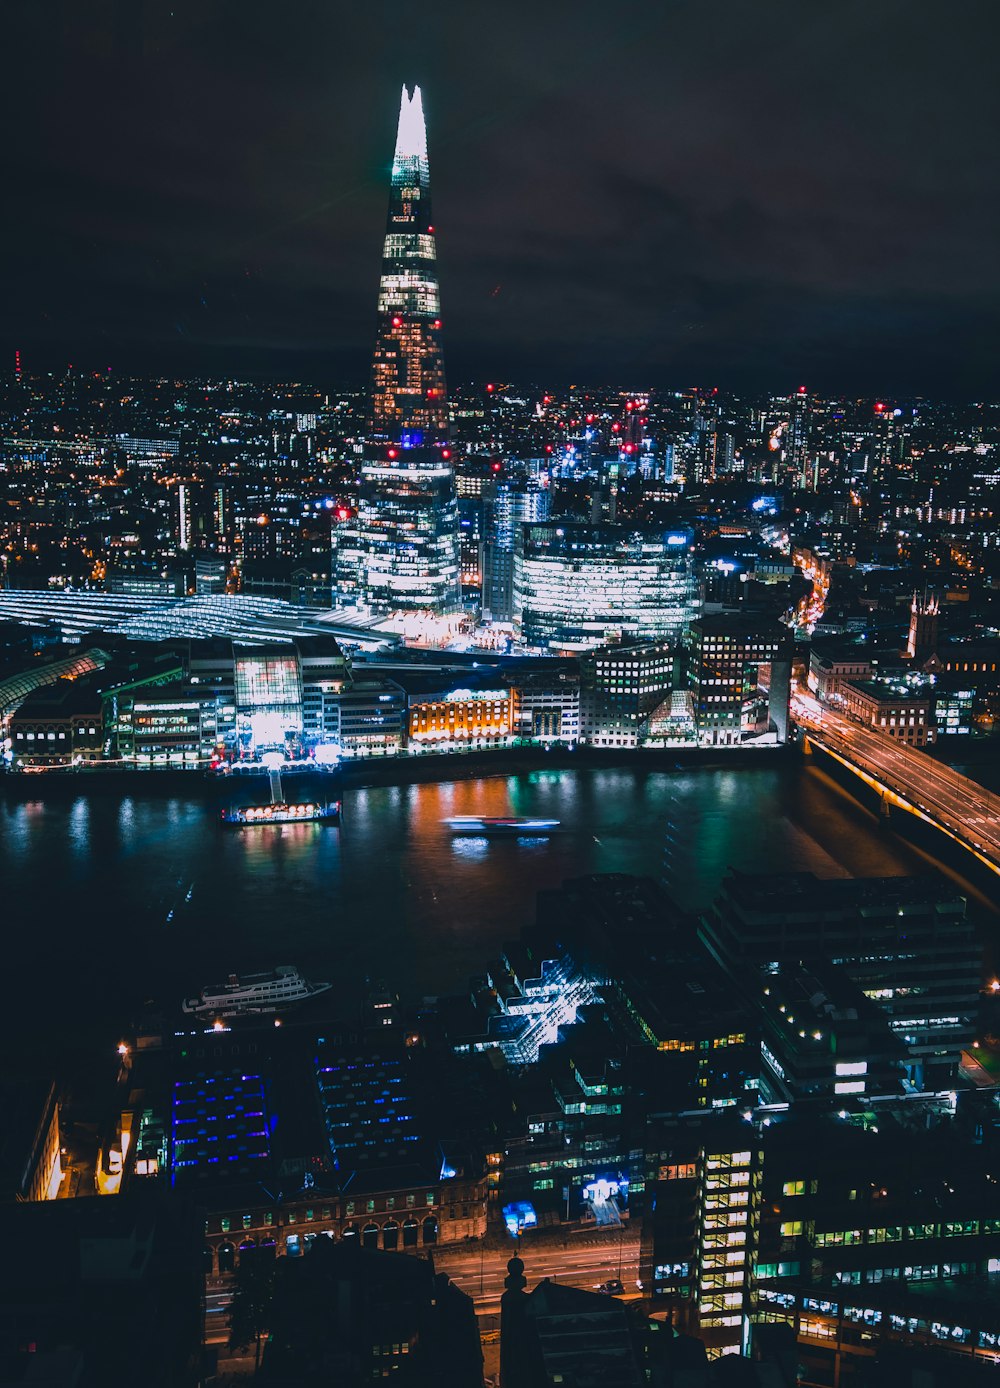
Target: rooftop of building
798, 891
877, 1156
585, 1338
58, 1244
743, 627
67, 698
333, 1305
885, 693
285, 1109
821, 994
238, 616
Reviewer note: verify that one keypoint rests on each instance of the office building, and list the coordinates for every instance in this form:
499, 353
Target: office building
622, 687
407, 523
561, 1334
58, 725
823, 1039
700, 1232
373, 718
797, 441
578, 586
740, 678
907, 942
508, 506
876, 1234
831, 669
30, 1155
894, 708
548, 704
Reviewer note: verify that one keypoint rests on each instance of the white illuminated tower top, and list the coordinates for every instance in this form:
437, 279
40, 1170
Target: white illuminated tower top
411, 133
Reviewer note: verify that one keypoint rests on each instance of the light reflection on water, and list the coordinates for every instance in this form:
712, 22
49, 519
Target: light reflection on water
470, 846
391, 893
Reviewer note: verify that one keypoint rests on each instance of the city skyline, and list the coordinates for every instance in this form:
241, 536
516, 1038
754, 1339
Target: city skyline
548, 671
681, 226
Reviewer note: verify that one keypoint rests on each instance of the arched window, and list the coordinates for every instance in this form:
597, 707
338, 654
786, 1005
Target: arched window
390, 1234
248, 1246
227, 1257
350, 1231
430, 1229
208, 1260
369, 1236
411, 1231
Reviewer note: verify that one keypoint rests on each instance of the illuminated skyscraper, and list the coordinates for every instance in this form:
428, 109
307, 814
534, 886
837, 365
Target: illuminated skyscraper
408, 513
797, 445
579, 586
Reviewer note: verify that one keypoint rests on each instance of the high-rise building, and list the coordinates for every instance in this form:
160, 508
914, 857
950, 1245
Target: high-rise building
797, 449
907, 942
511, 505
622, 686
885, 449
578, 586
407, 513
739, 673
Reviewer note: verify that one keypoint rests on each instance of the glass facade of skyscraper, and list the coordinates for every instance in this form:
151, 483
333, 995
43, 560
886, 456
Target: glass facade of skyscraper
509, 507
407, 512
580, 586
408, 533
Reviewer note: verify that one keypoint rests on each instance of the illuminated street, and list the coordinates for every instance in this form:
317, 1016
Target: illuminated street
579, 1264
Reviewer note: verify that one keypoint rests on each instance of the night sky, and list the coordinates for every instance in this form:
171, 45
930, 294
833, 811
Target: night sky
748, 193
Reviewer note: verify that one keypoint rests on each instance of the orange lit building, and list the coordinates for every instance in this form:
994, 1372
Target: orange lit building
465, 715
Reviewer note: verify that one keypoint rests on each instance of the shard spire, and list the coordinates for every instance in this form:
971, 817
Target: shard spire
409, 404
407, 509
411, 133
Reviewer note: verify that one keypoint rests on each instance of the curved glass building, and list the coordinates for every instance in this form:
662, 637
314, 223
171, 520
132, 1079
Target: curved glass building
577, 586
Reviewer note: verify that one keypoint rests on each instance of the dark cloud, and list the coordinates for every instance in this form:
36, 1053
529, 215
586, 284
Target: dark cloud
726, 190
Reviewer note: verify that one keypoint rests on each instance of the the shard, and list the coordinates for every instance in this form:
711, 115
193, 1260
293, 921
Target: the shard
407, 514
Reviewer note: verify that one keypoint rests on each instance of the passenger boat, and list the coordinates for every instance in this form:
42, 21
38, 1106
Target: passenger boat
309, 813
263, 992
511, 825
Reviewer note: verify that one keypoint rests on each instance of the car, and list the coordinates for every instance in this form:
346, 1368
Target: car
612, 1287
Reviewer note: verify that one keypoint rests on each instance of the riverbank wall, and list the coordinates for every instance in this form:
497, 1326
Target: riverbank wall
383, 771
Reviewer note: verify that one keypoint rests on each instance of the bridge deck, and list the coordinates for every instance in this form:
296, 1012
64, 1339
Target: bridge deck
962, 807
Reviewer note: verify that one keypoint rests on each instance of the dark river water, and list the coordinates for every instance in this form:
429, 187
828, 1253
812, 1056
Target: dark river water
110, 899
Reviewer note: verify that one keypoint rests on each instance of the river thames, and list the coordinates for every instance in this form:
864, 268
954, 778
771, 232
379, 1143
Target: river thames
115, 901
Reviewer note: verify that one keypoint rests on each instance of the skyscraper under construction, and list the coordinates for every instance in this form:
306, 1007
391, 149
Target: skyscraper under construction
407, 514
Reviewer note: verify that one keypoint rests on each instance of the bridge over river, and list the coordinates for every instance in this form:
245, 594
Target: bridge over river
907, 777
